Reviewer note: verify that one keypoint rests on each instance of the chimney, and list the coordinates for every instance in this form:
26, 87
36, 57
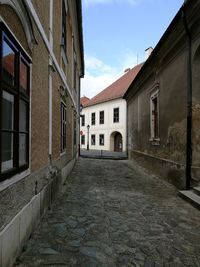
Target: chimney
148, 52
126, 70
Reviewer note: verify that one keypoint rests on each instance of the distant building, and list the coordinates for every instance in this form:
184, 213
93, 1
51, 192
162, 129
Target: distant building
164, 103
103, 119
41, 63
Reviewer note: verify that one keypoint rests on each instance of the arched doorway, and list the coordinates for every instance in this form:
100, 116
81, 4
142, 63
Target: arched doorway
118, 142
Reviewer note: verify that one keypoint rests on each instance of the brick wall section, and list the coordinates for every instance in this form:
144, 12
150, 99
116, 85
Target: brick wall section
57, 26
39, 107
43, 9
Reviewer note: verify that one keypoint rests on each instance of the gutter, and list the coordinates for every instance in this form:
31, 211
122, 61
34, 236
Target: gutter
189, 102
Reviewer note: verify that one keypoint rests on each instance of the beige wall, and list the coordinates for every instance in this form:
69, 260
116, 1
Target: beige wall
18, 193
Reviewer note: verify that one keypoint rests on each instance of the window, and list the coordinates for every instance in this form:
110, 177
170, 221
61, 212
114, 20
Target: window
116, 115
82, 139
101, 139
154, 115
63, 127
14, 106
64, 26
101, 117
93, 141
75, 71
82, 120
93, 119
74, 129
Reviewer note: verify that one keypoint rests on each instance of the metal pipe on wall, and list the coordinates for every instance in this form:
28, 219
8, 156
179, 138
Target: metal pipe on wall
189, 103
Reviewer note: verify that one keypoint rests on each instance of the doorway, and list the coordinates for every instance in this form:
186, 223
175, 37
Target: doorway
118, 142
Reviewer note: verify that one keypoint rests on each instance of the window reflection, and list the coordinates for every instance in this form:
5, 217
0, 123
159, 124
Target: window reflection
22, 116
8, 64
22, 149
23, 75
7, 111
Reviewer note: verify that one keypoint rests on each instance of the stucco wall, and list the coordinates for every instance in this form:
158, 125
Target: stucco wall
167, 71
108, 127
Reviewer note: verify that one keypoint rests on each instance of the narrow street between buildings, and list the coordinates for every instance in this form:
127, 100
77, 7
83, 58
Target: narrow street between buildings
114, 213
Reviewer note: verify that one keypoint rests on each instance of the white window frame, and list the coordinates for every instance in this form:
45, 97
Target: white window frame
63, 123
153, 96
100, 144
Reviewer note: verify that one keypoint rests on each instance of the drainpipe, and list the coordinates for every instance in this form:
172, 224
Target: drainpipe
50, 79
189, 103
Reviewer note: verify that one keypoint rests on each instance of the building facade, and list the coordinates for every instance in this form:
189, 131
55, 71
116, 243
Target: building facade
163, 103
107, 126
103, 118
41, 63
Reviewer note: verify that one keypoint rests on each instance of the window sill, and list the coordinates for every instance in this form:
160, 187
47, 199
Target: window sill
63, 153
16, 178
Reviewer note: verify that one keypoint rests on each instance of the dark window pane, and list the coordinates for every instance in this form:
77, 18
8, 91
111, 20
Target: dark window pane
7, 111
23, 127
23, 75
7, 151
83, 120
82, 139
22, 149
8, 64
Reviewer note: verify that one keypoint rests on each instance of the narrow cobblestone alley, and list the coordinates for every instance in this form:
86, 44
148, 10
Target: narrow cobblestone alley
113, 214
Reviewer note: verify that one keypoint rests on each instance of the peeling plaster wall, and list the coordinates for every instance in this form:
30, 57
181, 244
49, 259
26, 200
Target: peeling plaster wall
168, 70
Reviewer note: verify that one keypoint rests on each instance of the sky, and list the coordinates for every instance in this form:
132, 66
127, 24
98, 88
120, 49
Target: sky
116, 34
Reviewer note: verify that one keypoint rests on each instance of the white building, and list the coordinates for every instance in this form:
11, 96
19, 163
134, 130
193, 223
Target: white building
103, 118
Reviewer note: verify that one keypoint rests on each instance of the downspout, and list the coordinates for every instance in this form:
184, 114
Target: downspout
127, 141
189, 103
50, 80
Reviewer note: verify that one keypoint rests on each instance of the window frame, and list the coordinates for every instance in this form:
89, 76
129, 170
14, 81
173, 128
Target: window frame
93, 119
101, 135
93, 136
18, 95
64, 26
115, 118
83, 139
101, 120
154, 123
63, 132
83, 120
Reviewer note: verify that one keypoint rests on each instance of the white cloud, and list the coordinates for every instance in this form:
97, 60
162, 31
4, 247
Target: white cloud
129, 60
93, 2
92, 85
99, 75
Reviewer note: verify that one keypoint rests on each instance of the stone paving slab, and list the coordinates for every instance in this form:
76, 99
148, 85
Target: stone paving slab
113, 213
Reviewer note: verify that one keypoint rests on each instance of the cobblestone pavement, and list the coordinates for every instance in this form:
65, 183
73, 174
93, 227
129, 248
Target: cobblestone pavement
114, 214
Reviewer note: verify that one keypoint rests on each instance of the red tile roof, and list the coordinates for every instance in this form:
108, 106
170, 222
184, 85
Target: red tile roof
116, 89
84, 100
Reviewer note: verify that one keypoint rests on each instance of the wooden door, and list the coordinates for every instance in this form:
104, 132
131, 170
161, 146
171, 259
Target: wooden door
118, 142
